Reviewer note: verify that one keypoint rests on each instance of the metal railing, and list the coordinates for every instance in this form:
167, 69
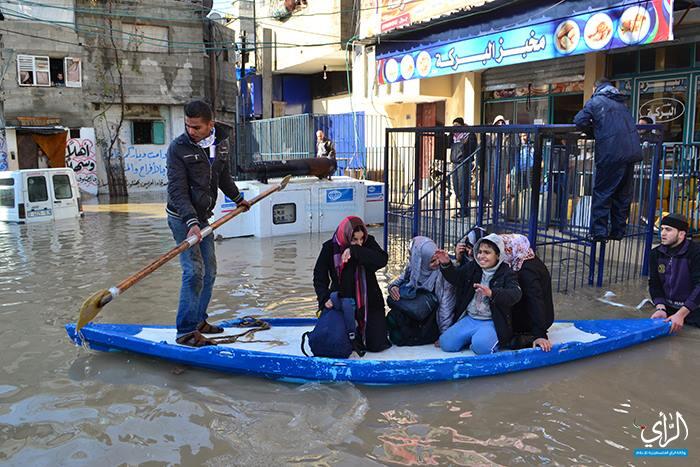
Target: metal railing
530, 179
678, 183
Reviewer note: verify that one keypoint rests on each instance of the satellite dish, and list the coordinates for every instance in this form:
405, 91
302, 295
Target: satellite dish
215, 17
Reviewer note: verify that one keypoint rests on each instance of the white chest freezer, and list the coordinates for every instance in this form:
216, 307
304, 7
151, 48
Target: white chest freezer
306, 205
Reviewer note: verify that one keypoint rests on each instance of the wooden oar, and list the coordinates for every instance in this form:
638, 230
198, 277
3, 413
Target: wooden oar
92, 306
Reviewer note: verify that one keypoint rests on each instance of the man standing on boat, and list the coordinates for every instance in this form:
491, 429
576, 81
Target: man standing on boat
617, 148
198, 166
674, 274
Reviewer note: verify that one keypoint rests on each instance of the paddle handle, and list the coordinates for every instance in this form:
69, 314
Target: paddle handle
184, 245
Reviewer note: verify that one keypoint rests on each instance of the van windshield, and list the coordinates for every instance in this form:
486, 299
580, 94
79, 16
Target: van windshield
61, 187
36, 186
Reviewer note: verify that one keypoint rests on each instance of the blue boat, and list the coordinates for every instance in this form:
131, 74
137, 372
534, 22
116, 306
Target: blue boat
277, 353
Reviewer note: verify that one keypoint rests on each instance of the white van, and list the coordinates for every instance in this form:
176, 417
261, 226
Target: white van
37, 195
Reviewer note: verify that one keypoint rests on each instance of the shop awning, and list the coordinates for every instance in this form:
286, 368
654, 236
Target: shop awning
520, 32
41, 130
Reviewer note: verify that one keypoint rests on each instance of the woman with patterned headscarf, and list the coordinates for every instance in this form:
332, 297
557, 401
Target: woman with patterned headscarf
347, 264
534, 313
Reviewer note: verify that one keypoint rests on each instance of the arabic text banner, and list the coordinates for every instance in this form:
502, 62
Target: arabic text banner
641, 22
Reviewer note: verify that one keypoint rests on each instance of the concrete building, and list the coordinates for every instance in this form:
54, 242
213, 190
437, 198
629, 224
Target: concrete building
99, 85
300, 54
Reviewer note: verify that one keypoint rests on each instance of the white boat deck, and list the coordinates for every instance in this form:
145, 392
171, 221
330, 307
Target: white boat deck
290, 336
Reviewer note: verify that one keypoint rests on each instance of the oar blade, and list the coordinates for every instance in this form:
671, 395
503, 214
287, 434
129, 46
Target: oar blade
90, 308
284, 182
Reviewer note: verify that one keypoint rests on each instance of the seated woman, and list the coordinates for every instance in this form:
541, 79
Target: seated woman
486, 291
421, 272
464, 250
534, 313
347, 264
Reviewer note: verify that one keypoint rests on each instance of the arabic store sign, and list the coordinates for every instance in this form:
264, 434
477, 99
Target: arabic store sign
640, 22
399, 13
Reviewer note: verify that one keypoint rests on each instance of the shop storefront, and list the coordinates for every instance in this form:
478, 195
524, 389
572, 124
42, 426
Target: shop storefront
549, 91
532, 59
663, 83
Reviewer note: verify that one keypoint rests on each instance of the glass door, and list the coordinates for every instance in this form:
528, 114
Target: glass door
666, 101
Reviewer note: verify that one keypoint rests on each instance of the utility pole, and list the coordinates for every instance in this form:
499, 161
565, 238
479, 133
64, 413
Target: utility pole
4, 161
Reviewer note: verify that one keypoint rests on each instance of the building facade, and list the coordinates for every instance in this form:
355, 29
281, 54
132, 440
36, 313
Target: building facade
100, 87
530, 62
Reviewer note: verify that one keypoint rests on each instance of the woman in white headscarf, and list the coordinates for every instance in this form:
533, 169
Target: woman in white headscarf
422, 272
534, 313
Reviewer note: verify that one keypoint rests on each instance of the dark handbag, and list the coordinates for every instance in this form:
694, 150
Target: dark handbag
415, 304
404, 331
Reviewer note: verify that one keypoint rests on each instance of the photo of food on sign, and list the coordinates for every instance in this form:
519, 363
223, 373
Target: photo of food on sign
423, 64
634, 25
407, 67
598, 31
567, 36
392, 70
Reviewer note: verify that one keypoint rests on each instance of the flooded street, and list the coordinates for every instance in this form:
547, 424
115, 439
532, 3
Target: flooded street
63, 405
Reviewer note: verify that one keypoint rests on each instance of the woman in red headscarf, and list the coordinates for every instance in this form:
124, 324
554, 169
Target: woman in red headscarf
348, 264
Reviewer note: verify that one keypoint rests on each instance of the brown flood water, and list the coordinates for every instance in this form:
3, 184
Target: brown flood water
63, 405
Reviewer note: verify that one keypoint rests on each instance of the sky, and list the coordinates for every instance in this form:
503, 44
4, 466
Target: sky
222, 5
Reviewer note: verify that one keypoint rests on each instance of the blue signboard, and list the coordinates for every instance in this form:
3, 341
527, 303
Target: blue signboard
375, 193
634, 23
228, 204
340, 195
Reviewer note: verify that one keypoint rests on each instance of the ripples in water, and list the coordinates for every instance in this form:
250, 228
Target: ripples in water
60, 404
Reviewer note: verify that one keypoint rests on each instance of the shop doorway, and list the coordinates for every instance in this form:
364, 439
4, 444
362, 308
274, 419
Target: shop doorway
41, 149
428, 115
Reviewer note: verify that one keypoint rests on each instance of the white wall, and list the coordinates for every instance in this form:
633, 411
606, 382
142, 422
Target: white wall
8, 151
81, 156
144, 164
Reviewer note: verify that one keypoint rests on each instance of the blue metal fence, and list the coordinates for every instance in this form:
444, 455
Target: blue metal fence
530, 179
678, 183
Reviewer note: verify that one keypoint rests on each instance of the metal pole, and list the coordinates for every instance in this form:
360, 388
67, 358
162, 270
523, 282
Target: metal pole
651, 210
3, 135
443, 188
416, 181
535, 187
496, 180
386, 189
482, 179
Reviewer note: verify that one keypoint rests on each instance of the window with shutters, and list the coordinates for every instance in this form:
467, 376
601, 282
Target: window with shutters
147, 132
73, 72
33, 70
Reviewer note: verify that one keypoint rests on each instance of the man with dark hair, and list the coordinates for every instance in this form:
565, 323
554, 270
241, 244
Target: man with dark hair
198, 167
617, 148
463, 144
674, 274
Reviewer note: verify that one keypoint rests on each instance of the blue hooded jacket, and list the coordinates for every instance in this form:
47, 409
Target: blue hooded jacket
606, 118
